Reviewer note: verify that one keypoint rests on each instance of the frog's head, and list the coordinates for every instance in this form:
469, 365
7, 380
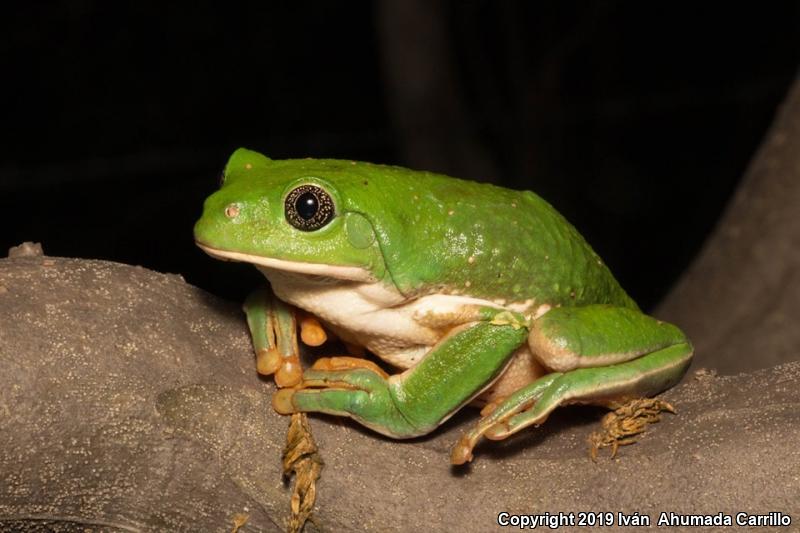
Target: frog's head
293, 216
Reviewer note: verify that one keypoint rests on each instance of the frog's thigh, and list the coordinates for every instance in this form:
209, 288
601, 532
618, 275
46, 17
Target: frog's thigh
416, 401
600, 354
567, 338
523, 369
605, 353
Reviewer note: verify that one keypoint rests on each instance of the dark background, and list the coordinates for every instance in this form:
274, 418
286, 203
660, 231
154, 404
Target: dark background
636, 121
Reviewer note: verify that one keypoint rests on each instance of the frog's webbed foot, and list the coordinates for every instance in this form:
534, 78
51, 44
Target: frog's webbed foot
311, 331
355, 390
497, 415
273, 328
626, 424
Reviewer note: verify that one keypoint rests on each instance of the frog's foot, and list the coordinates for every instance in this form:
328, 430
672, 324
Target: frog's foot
311, 331
623, 426
347, 363
491, 406
287, 369
497, 413
359, 392
273, 328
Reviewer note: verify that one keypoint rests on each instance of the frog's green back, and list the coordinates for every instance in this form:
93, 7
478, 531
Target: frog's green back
445, 235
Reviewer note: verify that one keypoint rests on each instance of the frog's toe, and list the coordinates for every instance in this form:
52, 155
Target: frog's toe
290, 373
491, 426
354, 377
497, 432
359, 393
347, 363
286, 368
494, 423
334, 401
282, 402
267, 361
328, 391
462, 451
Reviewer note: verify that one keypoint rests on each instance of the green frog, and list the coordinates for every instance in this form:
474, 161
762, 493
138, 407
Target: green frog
474, 293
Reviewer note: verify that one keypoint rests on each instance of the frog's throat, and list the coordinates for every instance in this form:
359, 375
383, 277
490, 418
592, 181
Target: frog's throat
350, 273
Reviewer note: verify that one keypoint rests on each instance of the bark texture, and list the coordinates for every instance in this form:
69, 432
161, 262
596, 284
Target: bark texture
129, 402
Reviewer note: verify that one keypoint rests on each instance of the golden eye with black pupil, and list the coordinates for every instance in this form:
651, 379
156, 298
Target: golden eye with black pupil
308, 207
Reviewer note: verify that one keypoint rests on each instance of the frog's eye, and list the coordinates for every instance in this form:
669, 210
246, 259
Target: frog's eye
308, 207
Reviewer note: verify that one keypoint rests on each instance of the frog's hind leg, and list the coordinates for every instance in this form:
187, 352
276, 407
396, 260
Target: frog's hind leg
607, 355
639, 377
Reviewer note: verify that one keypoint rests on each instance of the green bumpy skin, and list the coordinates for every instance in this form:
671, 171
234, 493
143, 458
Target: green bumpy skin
495, 272
429, 233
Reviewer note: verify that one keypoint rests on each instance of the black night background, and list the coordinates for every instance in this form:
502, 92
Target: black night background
636, 120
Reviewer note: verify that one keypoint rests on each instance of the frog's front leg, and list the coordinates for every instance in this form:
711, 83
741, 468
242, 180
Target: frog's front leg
414, 402
601, 354
273, 327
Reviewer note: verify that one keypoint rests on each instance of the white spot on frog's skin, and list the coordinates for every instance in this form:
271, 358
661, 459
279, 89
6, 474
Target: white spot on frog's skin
471, 259
520, 307
547, 258
450, 212
232, 211
248, 166
541, 310
513, 204
467, 283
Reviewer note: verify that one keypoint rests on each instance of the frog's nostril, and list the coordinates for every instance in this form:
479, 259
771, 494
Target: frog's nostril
232, 211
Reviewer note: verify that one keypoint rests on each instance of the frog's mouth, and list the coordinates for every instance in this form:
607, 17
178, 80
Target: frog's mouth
350, 273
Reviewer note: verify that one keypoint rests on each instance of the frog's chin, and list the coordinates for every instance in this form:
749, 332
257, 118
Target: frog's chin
349, 273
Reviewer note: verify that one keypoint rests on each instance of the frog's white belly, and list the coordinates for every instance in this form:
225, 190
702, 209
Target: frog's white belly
397, 330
